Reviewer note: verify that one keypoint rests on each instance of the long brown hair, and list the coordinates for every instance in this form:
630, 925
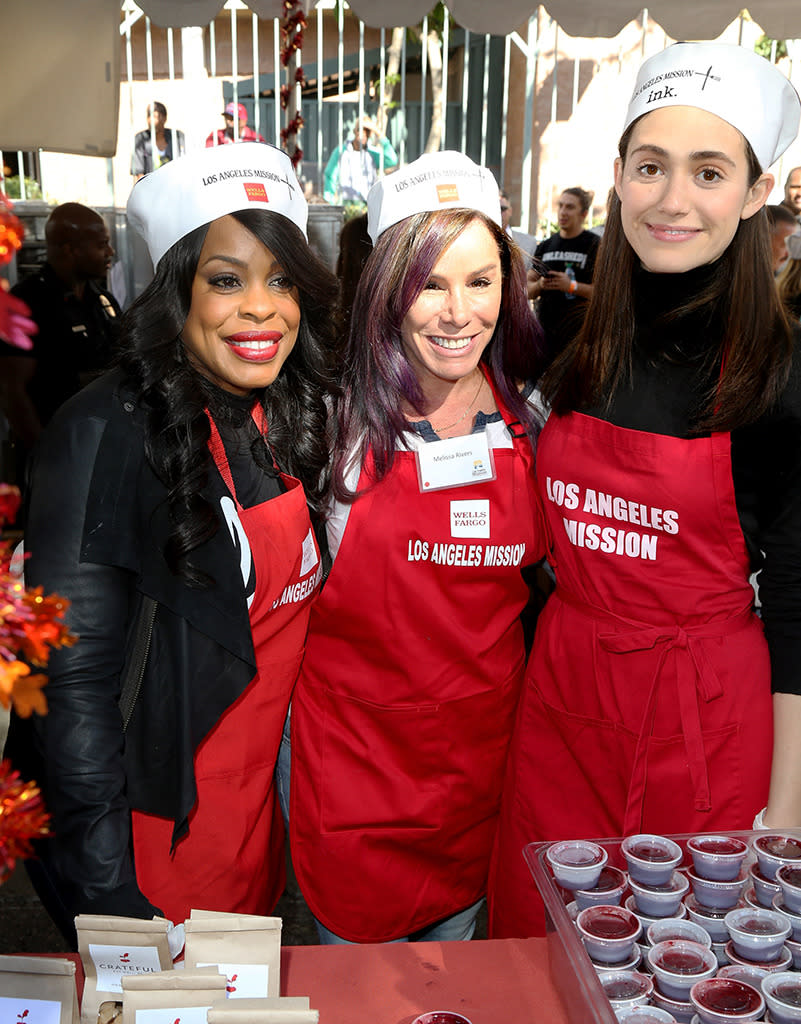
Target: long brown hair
748, 364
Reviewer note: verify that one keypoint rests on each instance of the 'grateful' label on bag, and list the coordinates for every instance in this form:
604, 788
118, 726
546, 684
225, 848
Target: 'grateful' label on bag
112, 962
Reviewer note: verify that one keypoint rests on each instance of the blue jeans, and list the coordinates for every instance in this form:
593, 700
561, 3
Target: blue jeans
457, 927
282, 769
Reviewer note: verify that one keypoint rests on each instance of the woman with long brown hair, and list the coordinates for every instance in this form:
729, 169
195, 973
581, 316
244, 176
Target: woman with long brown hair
670, 469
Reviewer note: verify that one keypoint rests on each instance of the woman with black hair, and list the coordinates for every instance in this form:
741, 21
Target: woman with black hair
670, 469
169, 502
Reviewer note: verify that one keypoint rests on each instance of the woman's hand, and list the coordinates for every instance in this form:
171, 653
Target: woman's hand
784, 799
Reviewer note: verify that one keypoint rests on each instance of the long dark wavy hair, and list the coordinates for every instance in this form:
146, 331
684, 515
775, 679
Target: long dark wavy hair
747, 363
174, 395
378, 378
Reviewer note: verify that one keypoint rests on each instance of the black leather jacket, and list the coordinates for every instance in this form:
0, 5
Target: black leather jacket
96, 527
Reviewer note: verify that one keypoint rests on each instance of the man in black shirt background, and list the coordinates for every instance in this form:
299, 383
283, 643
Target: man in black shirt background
77, 320
569, 255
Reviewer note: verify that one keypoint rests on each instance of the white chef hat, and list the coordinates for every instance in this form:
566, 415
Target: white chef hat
736, 84
435, 181
210, 183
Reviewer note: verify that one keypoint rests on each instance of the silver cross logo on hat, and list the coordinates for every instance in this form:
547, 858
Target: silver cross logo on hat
707, 75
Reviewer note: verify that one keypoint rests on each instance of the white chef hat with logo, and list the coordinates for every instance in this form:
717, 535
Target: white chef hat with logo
435, 181
736, 84
210, 183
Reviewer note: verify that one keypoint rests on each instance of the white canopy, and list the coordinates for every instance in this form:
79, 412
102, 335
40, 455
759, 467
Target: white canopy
681, 19
61, 60
61, 76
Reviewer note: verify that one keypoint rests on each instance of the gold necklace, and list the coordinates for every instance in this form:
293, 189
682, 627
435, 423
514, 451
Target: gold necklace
439, 430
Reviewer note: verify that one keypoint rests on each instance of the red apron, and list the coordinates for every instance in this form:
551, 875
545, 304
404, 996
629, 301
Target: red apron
232, 859
646, 704
404, 708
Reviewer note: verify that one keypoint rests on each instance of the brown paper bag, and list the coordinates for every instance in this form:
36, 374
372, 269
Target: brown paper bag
285, 1010
38, 990
171, 996
238, 1009
245, 947
112, 948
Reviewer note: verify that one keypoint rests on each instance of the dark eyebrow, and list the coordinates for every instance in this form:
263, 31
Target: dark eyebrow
713, 154
473, 273
701, 154
223, 258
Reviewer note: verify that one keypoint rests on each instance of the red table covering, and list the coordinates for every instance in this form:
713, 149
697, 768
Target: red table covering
490, 982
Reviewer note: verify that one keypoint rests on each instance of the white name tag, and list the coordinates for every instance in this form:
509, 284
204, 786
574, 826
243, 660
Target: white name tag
455, 462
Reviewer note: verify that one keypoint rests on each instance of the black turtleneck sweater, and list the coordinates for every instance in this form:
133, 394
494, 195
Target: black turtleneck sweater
664, 396
255, 478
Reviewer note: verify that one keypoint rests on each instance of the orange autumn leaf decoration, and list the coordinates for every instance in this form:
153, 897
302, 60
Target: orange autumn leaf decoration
18, 686
22, 818
31, 624
45, 628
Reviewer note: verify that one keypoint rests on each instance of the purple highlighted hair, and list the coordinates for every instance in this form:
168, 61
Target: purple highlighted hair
378, 379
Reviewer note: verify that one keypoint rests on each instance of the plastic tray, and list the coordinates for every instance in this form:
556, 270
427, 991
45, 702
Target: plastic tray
573, 974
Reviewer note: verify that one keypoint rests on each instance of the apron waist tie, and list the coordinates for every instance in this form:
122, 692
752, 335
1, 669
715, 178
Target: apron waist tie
695, 677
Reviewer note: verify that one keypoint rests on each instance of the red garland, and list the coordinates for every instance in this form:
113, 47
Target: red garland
291, 43
16, 326
22, 818
30, 622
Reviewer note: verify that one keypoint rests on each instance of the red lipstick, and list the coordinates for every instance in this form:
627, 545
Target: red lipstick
255, 346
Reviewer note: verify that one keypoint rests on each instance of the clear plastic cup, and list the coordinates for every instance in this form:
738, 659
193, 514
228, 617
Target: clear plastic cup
727, 1001
717, 857
625, 989
678, 964
660, 900
782, 993
651, 859
609, 933
576, 863
676, 928
773, 850
789, 878
609, 890
718, 895
758, 934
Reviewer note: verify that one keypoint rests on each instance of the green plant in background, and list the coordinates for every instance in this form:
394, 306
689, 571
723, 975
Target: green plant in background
33, 189
764, 47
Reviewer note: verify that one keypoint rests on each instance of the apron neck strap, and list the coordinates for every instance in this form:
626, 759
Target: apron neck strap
217, 448
514, 426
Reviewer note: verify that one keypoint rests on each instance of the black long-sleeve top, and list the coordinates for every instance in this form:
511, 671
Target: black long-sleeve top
664, 396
